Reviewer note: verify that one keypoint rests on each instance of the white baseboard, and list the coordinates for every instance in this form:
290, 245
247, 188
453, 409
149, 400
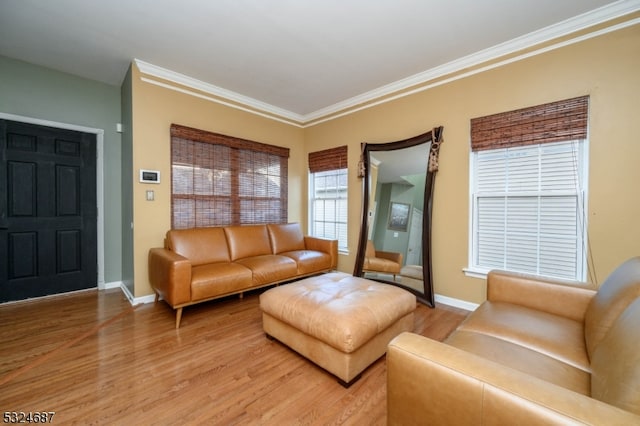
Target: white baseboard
144, 299
127, 293
133, 300
456, 303
137, 300
108, 286
445, 300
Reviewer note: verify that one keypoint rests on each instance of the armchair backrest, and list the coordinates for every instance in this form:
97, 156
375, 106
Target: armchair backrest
618, 291
371, 250
615, 365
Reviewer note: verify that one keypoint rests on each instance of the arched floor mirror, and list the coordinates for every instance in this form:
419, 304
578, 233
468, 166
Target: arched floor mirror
395, 236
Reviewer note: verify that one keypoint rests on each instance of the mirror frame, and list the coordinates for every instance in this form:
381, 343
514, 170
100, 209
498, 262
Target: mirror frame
435, 138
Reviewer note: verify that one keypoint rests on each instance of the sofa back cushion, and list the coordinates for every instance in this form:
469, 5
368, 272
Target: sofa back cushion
286, 237
247, 241
199, 245
617, 292
615, 365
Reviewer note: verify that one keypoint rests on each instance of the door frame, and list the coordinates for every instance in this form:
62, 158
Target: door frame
413, 235
99, 177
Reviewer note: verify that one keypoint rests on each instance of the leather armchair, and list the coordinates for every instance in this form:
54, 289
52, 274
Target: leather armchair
381, 261
538, 351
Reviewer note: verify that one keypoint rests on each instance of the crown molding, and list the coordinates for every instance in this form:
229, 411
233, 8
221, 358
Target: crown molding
561, 29
368, 99
224, 94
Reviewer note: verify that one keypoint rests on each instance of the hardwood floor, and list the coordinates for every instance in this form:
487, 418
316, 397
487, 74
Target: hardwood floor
92, 358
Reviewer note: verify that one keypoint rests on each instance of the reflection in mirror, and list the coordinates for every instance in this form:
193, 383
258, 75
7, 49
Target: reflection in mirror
395, 239
396, 210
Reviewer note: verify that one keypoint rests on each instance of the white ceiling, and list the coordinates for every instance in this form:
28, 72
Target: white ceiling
301, 57
393, 166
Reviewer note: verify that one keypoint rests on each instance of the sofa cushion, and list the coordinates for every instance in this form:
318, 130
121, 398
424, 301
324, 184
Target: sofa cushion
199, 245
269, 268
558, 337
616, 293
286, 237
309, 261
216, 279
247, 241
615, 364
522, 359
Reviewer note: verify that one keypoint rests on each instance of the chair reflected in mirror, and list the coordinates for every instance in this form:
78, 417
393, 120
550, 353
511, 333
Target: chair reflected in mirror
385, 262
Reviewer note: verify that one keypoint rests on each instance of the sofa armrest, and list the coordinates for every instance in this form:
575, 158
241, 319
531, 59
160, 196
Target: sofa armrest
170, 276
324, 245
559, 297
429, 382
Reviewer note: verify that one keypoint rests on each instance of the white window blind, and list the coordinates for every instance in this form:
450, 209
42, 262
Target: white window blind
329, 205
528, 207
328, 194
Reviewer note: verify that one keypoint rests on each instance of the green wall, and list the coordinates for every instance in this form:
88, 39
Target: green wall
36, 92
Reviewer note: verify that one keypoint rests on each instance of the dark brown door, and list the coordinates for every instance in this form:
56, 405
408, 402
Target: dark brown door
48, 211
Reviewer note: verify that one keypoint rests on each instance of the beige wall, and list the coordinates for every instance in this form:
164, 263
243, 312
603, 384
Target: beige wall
155, 108
606, 68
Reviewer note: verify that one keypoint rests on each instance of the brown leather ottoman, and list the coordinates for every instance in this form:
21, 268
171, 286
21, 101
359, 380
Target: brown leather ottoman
340, 322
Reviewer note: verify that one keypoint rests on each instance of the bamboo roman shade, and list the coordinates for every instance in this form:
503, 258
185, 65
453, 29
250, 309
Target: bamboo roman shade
198, 135
328, 159
553, 122
223, 180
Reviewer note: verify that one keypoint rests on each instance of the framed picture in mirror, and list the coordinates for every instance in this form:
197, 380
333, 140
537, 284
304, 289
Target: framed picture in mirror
398, 216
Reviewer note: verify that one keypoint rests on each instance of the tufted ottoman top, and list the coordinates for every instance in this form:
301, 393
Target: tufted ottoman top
339, 309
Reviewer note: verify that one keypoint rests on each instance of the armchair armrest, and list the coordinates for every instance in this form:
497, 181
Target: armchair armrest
432, 382
324, 245
560, 297
170, 276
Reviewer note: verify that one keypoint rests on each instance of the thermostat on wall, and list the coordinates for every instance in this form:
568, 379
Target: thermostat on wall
149, 176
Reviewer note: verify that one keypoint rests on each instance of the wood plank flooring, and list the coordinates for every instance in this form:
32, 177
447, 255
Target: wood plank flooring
92, 358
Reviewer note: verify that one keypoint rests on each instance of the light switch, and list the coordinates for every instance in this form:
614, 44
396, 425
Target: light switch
395, 235
150, 195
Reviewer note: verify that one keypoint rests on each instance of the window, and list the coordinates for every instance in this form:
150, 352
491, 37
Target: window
328, 188
528, 192
220, 180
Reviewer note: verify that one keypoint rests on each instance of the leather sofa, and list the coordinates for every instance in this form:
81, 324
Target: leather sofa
200, 264
538, 351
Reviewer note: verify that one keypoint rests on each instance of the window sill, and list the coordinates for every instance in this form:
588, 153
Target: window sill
475, 273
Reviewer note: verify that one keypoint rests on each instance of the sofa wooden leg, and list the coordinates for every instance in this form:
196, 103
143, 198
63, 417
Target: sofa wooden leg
155, 299
241, 295
178, 317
